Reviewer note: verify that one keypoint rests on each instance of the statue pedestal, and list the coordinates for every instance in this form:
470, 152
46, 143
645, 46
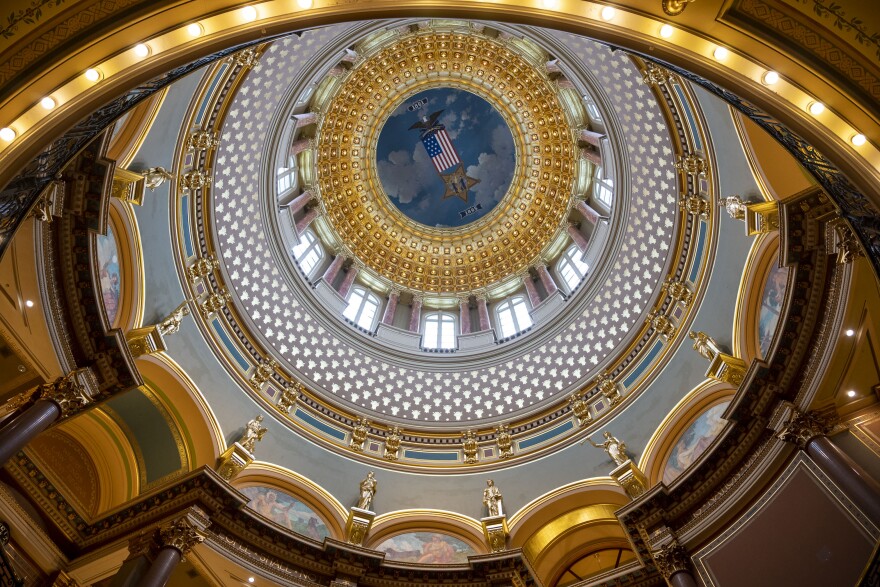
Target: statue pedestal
727, 368
145, 341
358, 525
495, 530
233, 461
631, 479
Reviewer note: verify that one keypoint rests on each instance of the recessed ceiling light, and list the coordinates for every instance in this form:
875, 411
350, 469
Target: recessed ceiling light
770, 78
93, 75
304, 3
251, 579
817, 108
859, 139
141, 50
851, 393
608, 12
720, 53
849, 332
194, 29
249, 13
7, 134
47, 103
29, 303
666, 31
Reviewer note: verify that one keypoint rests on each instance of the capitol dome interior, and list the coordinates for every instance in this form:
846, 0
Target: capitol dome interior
543, 293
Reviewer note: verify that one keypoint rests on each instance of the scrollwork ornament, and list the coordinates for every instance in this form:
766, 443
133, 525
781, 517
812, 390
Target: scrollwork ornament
655, 75
662, 325
359, 435
202, 140
505, 442
65, 392
670, 559
691, 163
470, 448
215, 302
392, 444
674, 7
678, 292
181, 535
246, 58
800, 428
289, 395
202, 267
694, 204
195, 180
608, 387
581, 409
262, 373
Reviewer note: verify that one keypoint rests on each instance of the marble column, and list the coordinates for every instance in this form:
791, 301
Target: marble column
546, 279
56, 400
579, 239
305, 119
415, 316
594, 157
333, 269
303, 223
590, 137
587, 212
464, 312
808, 431
483, 311
531, 290
391, 307
299, 146
299, 202
348, 281
177, 539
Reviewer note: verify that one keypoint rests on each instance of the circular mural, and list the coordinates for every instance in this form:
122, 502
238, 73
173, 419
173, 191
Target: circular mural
445, 157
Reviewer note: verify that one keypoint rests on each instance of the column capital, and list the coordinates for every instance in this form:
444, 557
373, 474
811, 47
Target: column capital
800, 428
671, 558
67, 392
185, 532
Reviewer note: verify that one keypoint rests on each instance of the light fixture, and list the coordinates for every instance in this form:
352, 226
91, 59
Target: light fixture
849, 332
250, 579
141, 50
47, 103
666, 31
7, 134
770, 78
720, 53
851, 393
608, 12
249, 13
92, 74
194, 29
29, 303
304, 3
817, 108
550, 4
859, 139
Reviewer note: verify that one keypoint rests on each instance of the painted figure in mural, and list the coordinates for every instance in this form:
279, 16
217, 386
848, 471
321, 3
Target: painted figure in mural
368, 491
437, 551
615, 449
253, 433
492, 499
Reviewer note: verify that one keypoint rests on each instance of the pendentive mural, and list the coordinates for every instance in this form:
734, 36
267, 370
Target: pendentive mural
445, 157
108, 270
286, 510
426, 548
694, 442
771, 304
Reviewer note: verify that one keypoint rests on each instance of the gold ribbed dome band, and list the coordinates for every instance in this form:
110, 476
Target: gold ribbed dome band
446, 260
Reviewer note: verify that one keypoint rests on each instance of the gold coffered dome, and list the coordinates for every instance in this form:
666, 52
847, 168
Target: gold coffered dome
520, 225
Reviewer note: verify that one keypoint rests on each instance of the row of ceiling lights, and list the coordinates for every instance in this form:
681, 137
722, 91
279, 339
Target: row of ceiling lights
249, 14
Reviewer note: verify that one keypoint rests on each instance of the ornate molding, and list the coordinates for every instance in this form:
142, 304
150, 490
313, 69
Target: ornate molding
800, 428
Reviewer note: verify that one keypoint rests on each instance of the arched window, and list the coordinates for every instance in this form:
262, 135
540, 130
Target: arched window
603, 187
285, 175
571, 268
593, 111
362, 307
513, 316
439, 332
308, 252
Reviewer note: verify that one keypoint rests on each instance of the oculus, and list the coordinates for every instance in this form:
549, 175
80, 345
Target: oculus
445, 157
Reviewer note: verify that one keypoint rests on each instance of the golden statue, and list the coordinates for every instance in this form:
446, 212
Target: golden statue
155, 176
368, 490
470, 447
615, 449
253, 433
492, 499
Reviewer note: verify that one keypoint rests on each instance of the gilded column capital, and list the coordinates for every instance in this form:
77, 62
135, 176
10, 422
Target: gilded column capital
66, 392
800, 428
181, 534
671, 558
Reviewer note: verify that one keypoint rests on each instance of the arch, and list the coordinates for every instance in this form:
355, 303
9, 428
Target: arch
459, 526
571, 268
203, 440
363, 308
308, 252
438, 331
634, 30
122, 228
696, 402
312, 495
763, 261
512, 316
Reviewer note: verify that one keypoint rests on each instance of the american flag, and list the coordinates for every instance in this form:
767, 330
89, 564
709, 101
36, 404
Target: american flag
440, 150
